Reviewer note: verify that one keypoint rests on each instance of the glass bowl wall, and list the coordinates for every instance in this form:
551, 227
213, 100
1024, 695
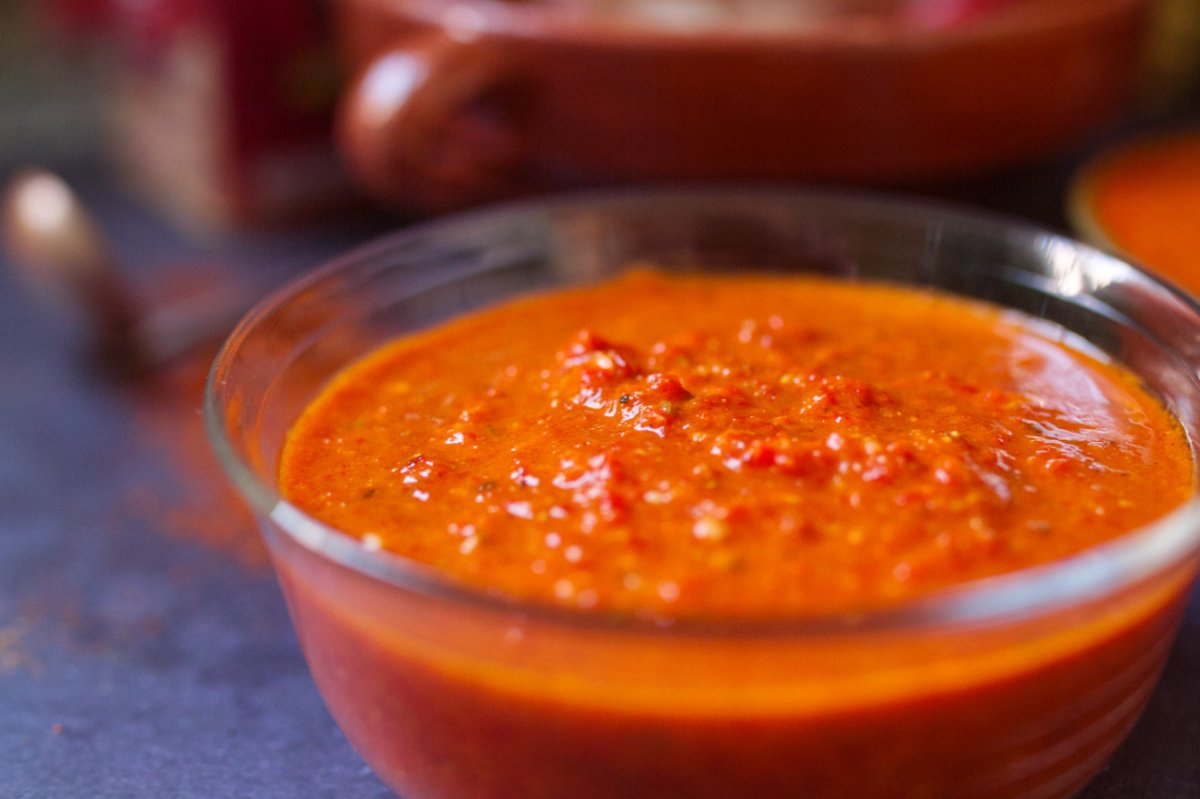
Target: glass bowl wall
1021, 685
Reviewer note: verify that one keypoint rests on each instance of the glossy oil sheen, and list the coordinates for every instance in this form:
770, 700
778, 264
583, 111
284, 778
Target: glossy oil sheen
734, 447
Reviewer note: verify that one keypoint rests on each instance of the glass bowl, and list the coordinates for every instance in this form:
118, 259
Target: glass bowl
1020, 685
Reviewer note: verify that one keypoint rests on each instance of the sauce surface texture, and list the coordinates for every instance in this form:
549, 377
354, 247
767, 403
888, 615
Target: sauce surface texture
728, 446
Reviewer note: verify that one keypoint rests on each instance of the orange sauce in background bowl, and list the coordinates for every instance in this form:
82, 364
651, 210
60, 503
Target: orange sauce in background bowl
723, 536
1142, 199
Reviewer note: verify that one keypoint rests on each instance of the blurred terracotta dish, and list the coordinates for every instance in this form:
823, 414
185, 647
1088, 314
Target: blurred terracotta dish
1143, 199
457, 102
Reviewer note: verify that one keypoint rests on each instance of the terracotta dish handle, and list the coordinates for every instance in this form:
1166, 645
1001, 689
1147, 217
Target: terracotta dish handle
430, 122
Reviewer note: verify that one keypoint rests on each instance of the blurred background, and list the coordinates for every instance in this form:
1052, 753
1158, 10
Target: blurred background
52, 83
218, 115
215, 114
144, 648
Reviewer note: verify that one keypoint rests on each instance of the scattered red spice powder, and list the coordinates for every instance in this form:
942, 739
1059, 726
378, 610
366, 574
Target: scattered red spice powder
198, 504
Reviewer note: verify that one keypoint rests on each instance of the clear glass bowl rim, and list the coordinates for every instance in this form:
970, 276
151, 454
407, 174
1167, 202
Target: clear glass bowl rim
1100, 571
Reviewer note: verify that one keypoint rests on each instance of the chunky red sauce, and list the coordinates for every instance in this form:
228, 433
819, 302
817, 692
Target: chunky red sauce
724, 446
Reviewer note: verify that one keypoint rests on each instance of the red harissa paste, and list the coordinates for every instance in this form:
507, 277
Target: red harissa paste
729, 446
